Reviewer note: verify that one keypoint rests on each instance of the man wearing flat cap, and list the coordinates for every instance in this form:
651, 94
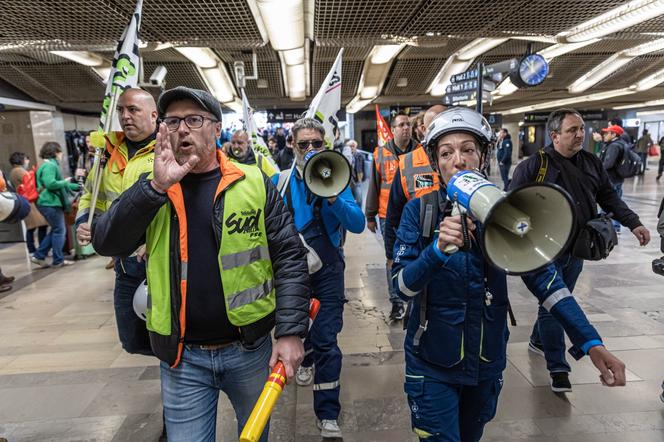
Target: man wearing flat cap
225, 267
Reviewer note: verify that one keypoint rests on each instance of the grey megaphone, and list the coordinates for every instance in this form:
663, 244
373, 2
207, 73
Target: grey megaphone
524, 229
326, 173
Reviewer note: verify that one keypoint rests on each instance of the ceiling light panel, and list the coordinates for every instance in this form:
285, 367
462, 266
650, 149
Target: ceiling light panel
617, 19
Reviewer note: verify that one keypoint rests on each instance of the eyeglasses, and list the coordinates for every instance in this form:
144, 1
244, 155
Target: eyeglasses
317, 144
192, 122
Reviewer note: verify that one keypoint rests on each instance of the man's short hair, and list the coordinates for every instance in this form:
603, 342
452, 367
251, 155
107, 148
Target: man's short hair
17, 158
504, 129
49, 150
307, 123
393, 121
616, 121
555, 120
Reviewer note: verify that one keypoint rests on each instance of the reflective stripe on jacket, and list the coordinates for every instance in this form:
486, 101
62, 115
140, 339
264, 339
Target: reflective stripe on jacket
417, 176
244, 262
386, 166
119, 174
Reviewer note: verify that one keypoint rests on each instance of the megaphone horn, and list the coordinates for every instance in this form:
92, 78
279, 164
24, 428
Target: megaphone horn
525, 228
326, 173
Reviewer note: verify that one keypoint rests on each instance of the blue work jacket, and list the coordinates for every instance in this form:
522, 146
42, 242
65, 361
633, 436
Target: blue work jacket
466, 334
344, 213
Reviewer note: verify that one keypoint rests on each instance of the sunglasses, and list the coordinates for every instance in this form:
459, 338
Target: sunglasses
317, 144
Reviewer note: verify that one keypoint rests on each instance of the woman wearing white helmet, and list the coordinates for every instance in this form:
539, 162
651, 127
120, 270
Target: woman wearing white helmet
456, 338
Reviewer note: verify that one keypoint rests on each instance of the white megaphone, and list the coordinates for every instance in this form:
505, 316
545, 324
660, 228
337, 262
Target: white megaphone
524, 229
326, 173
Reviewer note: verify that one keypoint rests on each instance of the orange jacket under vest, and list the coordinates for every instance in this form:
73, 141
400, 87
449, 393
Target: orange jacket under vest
386, 164
417, 176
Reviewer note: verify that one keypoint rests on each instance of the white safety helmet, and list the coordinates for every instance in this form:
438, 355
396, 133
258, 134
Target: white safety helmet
457, 119
141, 300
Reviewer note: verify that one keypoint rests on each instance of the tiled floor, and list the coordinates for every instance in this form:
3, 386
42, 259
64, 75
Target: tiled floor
64, 377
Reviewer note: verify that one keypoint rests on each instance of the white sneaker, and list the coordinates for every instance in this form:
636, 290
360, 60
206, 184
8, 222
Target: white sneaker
329, 428
66, 262
40, 262
304, 376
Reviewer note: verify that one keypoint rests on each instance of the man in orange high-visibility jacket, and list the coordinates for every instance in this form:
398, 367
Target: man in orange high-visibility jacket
413, 179
385, 166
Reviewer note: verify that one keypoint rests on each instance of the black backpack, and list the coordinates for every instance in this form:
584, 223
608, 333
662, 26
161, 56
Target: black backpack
629, 164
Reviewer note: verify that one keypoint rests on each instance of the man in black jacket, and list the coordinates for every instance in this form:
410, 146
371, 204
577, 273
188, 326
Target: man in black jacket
225, 266
612, 153
588, 188
504, 156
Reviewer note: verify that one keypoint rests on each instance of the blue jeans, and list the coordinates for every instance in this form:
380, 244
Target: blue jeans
442, 412
30, 237
505, 174
391, 290
55, 238
190, 391
547, 331
133, 334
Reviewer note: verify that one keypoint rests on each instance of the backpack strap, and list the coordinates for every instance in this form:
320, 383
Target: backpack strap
544, 164
430, 207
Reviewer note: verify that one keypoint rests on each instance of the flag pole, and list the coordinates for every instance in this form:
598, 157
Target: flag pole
99, 152
124, 70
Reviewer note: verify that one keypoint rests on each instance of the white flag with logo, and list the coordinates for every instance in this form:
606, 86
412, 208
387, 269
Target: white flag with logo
124, 71
327, 103
257, 142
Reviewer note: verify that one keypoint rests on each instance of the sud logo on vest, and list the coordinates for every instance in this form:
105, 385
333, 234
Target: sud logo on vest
246, 222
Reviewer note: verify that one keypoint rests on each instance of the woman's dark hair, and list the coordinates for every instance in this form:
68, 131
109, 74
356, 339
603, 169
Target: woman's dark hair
17, 158
49, 150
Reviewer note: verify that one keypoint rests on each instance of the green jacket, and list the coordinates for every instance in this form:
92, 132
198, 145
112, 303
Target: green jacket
50, 184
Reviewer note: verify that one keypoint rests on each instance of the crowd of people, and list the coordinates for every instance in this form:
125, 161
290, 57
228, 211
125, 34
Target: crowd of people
233, 244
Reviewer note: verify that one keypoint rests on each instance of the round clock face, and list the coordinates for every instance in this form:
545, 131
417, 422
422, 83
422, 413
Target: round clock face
533, 69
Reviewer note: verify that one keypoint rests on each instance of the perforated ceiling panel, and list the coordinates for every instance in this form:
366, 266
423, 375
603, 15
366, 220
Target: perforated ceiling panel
432, 29
417, 72
178, 74
14, 76
269, 70
633, 71
350, 76
64, 21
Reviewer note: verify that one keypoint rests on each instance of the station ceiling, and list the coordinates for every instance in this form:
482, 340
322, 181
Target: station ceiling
431, 31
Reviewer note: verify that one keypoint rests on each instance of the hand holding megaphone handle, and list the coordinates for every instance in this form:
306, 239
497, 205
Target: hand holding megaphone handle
452, 248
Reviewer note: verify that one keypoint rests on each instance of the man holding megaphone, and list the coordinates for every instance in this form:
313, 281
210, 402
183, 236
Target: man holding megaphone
455, 346
317, 194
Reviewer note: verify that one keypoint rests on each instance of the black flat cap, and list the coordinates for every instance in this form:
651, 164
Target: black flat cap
204, 99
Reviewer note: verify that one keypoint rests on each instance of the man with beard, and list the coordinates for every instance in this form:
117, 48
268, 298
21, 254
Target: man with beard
225, 267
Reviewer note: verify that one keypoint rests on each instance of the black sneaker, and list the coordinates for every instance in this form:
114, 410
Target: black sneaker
538, 349
398, 312
560, 383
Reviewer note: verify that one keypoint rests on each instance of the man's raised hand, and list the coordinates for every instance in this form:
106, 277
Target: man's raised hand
167, 171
